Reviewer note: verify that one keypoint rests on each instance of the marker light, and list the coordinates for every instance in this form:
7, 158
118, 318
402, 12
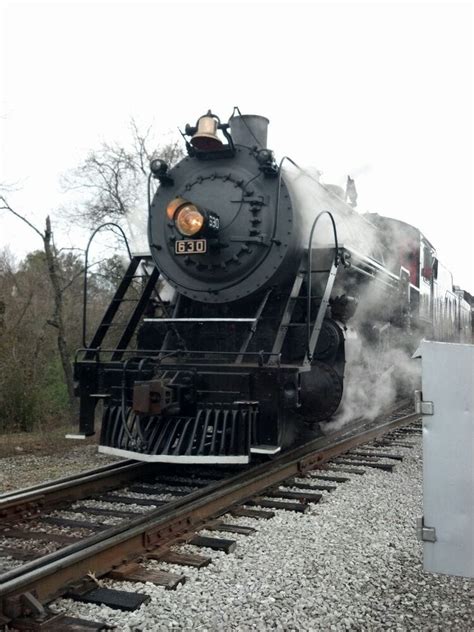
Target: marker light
189, 220
158, 167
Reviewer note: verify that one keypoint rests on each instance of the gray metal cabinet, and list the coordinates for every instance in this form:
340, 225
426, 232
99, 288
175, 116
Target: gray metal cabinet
447, 404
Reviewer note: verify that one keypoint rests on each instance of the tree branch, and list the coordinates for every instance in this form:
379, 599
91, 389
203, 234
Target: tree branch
6, 207
80, 273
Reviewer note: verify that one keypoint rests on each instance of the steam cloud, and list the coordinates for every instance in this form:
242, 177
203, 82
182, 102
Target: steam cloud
137, 229
310, 197
368, 393
377, 373
379, 368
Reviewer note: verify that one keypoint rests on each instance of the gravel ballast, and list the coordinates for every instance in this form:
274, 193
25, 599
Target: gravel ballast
353, 562
29, 469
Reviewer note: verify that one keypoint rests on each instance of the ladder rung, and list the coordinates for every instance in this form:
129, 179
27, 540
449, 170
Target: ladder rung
134, 276
124, 300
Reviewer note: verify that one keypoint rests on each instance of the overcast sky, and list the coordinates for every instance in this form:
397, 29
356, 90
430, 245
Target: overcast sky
381, 91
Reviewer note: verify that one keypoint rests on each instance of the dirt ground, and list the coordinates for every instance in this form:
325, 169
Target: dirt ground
49, 441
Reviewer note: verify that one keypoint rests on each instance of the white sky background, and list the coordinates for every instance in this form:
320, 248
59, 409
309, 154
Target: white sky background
381, 91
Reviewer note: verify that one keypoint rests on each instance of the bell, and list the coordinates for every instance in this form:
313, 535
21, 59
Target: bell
205, 138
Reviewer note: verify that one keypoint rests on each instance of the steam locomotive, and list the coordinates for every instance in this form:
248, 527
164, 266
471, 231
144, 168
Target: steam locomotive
260, 284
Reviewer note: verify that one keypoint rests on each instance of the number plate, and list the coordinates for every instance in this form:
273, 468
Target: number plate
190, 246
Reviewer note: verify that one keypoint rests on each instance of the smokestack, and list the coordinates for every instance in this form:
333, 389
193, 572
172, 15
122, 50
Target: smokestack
249, 130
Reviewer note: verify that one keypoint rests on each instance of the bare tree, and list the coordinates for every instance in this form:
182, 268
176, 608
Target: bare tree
57, 319
114, 176
46, 288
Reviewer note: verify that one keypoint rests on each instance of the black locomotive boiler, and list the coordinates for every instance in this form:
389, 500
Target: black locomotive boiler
241, 316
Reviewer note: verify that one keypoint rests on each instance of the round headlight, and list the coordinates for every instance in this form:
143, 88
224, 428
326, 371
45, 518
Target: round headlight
173, 206
189, 220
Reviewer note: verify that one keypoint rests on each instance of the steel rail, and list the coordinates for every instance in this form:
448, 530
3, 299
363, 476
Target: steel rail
64, 479
176, 521
71, 487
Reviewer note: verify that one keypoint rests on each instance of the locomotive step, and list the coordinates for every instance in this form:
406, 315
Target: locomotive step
200, 320
265, 449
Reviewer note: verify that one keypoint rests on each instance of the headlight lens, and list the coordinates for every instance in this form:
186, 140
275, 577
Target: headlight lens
189, 220
173, 206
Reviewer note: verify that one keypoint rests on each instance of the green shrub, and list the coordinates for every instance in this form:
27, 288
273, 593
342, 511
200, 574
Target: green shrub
21, 402
27, 404
55, 391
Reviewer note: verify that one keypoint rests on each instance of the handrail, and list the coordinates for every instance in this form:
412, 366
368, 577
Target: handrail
86, 261
309, 271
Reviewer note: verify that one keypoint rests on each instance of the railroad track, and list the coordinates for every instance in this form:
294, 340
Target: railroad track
104, 522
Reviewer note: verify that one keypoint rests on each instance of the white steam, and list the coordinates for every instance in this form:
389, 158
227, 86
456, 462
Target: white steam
138, 229
379, 368
373, 385
310, 197
378, 373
